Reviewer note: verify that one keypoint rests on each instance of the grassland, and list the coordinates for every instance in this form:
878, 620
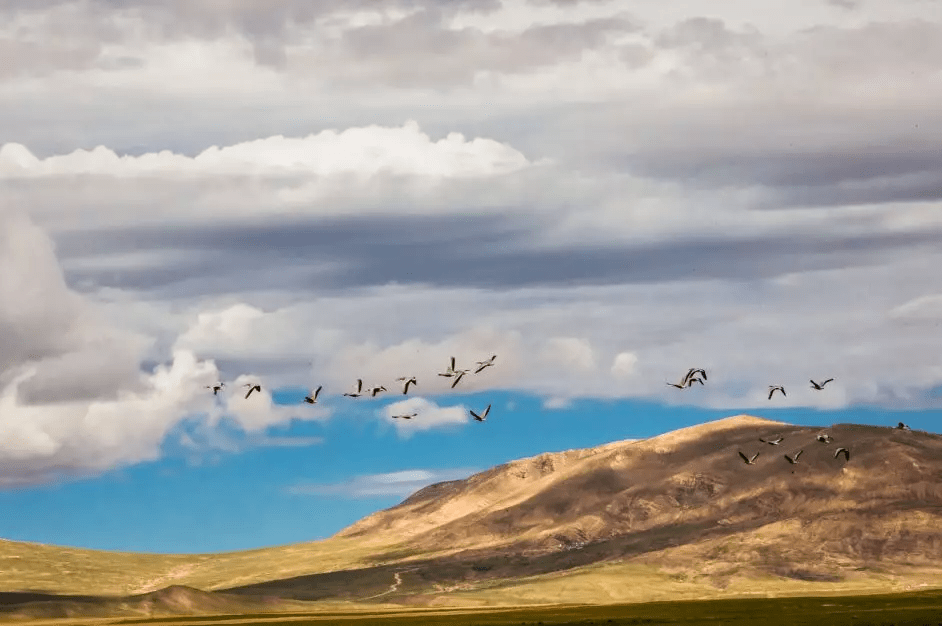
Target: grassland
916, 608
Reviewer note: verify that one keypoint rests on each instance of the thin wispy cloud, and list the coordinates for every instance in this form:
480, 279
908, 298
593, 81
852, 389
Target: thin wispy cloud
400, 484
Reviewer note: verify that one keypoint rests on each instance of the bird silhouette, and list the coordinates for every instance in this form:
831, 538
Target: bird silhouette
749, 461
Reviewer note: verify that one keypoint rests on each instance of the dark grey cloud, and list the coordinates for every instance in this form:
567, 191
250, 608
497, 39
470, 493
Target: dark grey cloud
455, 251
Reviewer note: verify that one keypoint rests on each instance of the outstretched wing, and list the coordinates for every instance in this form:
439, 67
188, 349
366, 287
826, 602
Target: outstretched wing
744, 457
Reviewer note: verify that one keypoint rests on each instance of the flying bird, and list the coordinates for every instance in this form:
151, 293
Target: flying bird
376, 390
793, 460
749, 461
252, 387
824, 438
845, 451
772, 442
686, 382
312, 399
774, 388
216, 388
697, 370
482, 416
408, 381
820, 386
450, 371
358, 392
407, 416
482, 364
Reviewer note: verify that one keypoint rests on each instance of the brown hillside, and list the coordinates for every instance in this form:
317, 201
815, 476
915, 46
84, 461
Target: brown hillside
676, 514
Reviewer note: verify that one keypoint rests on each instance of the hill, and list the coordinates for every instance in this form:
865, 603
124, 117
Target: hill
679, 515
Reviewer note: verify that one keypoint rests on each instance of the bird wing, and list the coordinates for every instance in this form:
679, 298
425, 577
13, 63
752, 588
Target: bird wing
317, 391
827, 381
452, 368
771, 391
744, 457
487, 410
457, 378
754, 457
359, 385
474, 415
251, 389
480, 369
798, 454
782, 389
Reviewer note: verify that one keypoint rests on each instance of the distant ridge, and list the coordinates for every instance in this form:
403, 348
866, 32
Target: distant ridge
676, 515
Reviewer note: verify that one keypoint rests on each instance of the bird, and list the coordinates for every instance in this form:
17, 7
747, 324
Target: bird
409, 381
774, 388
685, 382
458, 378
252, 387
820, 386
407, 416
903, 426
312, 399
358, 392
697, 370
482, 416
216, 387
483, 364
771, 442
845, 451
450, 371
376, 390
749, 461
824, 438
793, 460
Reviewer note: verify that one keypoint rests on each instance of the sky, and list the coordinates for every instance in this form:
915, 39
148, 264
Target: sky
601, 193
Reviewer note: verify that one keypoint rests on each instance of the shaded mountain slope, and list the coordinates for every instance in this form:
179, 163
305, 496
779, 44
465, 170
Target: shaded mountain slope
678, 509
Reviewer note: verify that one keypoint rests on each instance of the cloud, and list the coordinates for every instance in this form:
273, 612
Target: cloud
400, 484
700, 200
557, 403
362, 151
570, 353
625, 365
428, 415
74, 396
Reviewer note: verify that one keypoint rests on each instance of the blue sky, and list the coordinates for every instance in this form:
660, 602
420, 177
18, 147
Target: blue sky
601, 193
244, 500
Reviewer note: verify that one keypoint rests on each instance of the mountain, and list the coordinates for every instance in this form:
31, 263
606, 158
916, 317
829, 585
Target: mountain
678, 515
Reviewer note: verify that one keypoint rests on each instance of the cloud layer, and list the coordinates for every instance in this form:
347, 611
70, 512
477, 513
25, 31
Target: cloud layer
316, 194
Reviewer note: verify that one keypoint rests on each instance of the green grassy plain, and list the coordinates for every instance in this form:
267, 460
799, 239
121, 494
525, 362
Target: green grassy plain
903, 609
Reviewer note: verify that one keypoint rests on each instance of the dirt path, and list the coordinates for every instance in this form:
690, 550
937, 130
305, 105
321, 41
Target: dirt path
392, 588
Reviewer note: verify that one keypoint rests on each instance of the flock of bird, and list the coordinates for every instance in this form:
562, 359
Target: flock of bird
793, 458
407, 381
691, 377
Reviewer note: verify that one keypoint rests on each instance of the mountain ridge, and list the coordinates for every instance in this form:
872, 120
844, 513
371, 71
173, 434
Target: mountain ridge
678, 511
